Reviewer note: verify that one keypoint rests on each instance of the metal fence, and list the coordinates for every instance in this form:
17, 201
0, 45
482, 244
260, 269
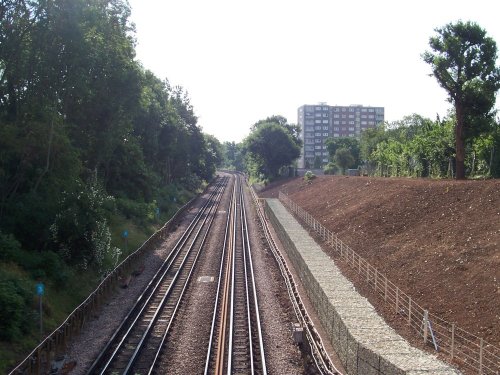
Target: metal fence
39, 361
463, 348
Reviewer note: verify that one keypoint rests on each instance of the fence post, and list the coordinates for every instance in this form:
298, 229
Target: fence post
481, 345
452, 340
425, 323
409, 310
397, 300
385, 288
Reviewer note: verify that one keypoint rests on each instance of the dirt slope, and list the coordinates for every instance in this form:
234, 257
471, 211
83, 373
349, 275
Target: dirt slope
438, 240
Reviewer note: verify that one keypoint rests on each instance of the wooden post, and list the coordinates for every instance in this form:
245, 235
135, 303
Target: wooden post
425, 323
452, 340
38, 361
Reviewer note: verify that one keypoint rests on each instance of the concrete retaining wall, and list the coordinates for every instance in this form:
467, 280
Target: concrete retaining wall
364, 342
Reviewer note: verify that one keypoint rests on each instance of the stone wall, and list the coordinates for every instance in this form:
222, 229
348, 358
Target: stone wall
364, 342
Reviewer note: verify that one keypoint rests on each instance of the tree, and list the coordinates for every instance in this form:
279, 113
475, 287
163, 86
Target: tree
343, 158
463, 61
270, 146
349, 143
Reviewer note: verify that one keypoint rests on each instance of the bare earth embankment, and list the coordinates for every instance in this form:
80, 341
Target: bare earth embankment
439, 241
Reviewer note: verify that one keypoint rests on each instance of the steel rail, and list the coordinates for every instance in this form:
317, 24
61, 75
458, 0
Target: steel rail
227, 234
209, 217
148, 293
221, 337
239, 339
167, 330
232, 286
254, 289
319, 354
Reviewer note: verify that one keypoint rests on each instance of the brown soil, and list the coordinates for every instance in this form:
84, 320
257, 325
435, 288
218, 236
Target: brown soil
438, 240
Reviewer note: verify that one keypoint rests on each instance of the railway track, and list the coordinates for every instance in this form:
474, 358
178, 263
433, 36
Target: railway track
136, 345
236, 345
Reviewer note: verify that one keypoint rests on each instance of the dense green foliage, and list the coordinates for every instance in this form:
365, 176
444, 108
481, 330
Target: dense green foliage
271, 145
344, 153
463, 60
86, 135
420, 147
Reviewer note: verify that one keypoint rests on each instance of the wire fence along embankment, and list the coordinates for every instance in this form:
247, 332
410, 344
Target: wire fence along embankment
54, 345
463, 348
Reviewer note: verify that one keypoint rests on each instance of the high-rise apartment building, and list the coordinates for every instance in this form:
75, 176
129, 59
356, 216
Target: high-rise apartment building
321, 121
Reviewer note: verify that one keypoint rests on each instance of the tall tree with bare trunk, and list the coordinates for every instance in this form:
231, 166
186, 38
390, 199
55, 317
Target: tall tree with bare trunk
463, 60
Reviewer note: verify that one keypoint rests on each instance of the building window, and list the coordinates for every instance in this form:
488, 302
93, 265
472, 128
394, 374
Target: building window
351, 116
325, 108
317, 147
318, 140
351, 128
336, 109
336, 122
371, 110
324, 147
325, 121
325, 134
363, 109
351, 109
317, 121
318, 108
336, 128
344, 116
363, 122
336, 135
364, 116
317, 114
351, 122
336, 116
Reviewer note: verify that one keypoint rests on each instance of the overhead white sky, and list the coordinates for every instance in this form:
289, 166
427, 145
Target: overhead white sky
242, 61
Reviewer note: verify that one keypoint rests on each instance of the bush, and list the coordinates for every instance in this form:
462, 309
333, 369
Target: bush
9, 247
15, 300
80, 230
309, 176
330, 168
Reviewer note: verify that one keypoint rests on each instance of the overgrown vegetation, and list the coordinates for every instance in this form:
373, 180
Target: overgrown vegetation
91, 143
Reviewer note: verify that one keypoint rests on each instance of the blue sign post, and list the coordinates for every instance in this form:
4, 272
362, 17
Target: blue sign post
125, 238
40, 290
